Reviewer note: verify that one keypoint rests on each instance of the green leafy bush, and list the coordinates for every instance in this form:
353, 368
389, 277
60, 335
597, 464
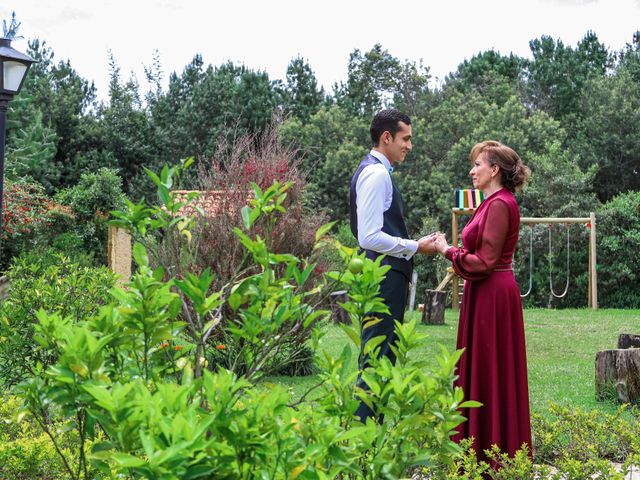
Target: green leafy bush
47, 282
91, 201
74, 222
618, 229
586, 435
166, 412
26, 453
567, 444
211, 242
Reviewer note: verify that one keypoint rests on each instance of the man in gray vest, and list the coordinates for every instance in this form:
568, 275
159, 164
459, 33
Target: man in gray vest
377, 222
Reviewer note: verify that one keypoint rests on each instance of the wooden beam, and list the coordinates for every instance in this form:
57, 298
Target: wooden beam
455, 297
529, 220
445, 280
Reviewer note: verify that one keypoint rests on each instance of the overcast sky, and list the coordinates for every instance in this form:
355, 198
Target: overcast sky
266, 35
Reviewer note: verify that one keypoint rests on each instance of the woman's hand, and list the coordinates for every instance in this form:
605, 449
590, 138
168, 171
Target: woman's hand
440, 243
426, 245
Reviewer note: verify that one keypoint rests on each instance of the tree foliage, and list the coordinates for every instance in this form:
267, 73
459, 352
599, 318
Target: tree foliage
613, 103
302, 97
495, 77
558, 73
619, 228
571, 111
372, 77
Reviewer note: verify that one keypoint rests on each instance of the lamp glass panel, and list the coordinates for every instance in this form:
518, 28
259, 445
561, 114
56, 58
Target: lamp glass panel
13, 73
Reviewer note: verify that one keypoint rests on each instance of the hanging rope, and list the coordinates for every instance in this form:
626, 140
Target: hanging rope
566, 287
522, 295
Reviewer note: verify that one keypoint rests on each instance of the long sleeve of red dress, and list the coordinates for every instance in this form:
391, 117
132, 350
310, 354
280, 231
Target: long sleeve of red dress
477, 264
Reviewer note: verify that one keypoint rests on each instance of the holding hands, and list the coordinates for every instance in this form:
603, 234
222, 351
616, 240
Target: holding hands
433, 243
440, 243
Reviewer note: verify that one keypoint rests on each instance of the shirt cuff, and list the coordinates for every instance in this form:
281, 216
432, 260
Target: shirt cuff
449, 253
411, 247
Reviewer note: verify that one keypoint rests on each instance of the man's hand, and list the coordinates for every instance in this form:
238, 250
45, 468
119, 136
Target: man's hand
427, 244
440, 244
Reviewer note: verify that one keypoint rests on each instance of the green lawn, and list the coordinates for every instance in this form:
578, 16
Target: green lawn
561, 349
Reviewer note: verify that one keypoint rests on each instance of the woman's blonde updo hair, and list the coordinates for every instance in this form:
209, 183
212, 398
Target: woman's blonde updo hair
515, 173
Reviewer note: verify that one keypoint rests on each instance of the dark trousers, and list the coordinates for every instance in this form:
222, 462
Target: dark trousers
394, 290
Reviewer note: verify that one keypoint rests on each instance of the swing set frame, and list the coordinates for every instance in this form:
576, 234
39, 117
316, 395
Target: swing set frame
592, 300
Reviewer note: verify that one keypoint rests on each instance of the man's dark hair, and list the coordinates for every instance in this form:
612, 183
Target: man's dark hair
387, 121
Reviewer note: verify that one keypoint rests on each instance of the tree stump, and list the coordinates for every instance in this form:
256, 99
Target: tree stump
618, 375
627, 340
338, 314
434, 303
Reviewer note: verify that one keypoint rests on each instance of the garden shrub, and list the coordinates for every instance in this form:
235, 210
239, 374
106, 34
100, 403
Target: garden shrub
71, 245
166, 412
26, 453
50, 282
518, 467
618, 229
299, 361
91, 201
212, 243
233, 170
568, 444
74, 223
586, 435
24, 206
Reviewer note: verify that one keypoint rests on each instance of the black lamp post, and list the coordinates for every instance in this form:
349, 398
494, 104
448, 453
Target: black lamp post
13, 70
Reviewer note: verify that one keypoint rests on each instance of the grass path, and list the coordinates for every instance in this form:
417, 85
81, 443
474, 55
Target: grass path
561, 349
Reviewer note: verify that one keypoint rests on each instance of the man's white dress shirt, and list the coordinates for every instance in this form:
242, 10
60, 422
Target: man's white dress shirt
374, 194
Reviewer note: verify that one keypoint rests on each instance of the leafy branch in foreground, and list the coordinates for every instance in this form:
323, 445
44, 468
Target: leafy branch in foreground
135, 381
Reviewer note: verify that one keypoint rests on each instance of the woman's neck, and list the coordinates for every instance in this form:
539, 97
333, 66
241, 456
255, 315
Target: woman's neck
490, 190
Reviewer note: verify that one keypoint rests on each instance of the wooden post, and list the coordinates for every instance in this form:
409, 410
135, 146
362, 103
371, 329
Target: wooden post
339, 314
589, 288
455, 288
593, 274
119, 253
412, 291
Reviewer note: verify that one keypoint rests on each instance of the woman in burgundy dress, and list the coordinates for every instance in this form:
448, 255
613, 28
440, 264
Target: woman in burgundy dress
493, 367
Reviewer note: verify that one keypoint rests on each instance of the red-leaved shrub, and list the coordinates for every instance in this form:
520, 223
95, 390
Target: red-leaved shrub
225, 187
30, 219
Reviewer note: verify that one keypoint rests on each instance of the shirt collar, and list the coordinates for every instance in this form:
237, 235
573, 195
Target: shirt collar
384, 160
